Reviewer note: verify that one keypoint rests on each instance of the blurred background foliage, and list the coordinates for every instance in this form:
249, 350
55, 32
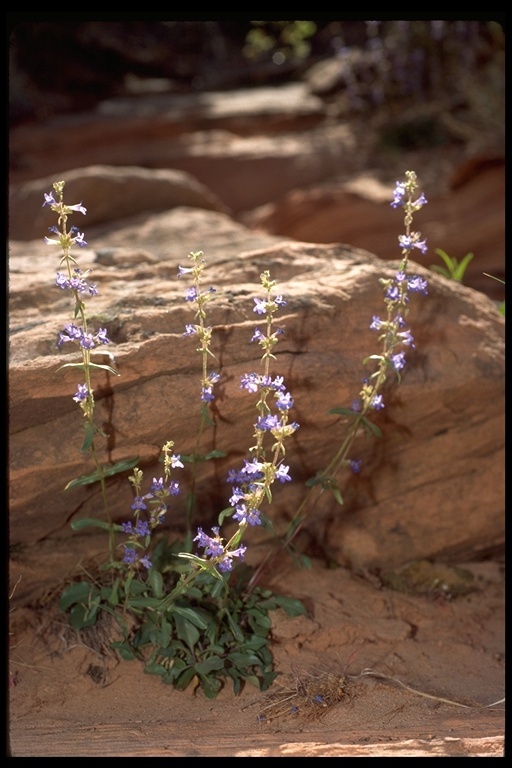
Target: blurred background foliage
57, 67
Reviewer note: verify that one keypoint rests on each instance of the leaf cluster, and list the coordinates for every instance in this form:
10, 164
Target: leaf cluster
209, 635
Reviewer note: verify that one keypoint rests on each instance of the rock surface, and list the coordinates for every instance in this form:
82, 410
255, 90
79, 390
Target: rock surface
449, 442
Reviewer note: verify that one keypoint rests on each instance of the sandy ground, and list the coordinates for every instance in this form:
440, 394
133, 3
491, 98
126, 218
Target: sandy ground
414, 675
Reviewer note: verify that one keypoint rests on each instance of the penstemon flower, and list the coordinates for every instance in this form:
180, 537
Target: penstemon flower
396, 338
251, 485
154, 506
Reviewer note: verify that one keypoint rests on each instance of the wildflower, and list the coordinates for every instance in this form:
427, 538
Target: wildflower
244, 515
416, 284
212, 545
398, 361
156, 485
258, 336
79, 240
260, 306
130, 554
142, 528
355, 465
377, 402
191, 294
49, 199
398, 194
250, 382
282, 474
266, 423
82, 393
146, 562
408, 242
226, 564
139, 503
102, 337
406, 338
284, 401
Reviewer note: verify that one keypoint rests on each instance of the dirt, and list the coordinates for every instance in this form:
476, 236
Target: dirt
415, 668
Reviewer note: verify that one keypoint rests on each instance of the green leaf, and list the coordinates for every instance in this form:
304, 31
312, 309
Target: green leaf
91, 365
184, 679
461, 268
371, 427
121, 466
84, 616
241, 660
144, 602
186, 631
156, 582
125, 650
190, 615
235, 629
113, 594
212, 664
225, 513
211, 686
292, 606
165, 633
88, 522
75, 593
344, 412
337, 495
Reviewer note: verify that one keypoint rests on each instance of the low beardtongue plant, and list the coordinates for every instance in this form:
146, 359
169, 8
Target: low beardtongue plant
191, 609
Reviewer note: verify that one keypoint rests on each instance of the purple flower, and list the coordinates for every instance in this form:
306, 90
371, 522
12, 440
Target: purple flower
156, 485
398, 194
49, 200
139, 503
376, 323
393, 293
61, 281
416, 284
146, 562
79, 240
102, 337
282, 474
130, 555
77, 207
82, 393
226, 564
250, 382
377, 402
191, 294
278, 384
266, 423
190, 330
406, 338
142, 528
174, 488
257, 335
251, 516
280, 301
398, 361
260, 306
284, 401
408, 242
212, 545
355, 465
